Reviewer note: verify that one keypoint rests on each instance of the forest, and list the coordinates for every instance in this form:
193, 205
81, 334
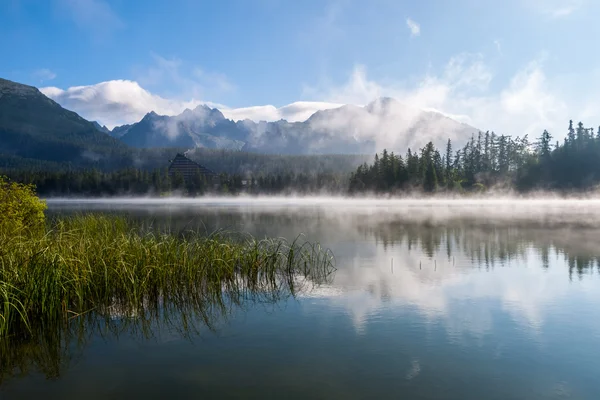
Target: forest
489, 160
486, 161
158, 182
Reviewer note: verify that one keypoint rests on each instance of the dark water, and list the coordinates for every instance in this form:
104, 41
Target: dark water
431, 300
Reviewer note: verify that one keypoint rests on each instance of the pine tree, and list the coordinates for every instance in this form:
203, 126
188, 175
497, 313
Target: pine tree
493, 152
478, 154
448, 159
544, 145
580, 134
570, 139
486, 152
430, 181
438, 166
503, 154
412, 165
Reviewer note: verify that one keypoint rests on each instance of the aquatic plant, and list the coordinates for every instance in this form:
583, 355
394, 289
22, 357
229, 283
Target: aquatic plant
107, 266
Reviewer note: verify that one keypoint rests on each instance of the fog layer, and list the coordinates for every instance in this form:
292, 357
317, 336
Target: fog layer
537, 211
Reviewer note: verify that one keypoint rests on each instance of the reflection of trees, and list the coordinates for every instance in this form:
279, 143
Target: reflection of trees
491, 245
582, 264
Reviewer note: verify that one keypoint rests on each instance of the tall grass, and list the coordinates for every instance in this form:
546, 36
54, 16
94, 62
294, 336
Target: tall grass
104, 265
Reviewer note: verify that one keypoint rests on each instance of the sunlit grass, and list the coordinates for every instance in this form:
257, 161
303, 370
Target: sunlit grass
110, 267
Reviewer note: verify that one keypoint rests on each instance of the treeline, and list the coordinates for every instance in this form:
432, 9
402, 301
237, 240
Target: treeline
158, 182
488, 160
129, 181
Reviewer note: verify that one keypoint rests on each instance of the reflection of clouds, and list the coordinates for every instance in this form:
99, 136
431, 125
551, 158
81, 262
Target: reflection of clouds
466, 298
415, 369
413, 283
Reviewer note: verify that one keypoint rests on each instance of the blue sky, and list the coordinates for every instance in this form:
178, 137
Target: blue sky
484, 62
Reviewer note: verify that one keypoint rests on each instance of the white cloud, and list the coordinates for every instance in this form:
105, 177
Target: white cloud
556, 8
498, 46
357, 90
528, 103
94, 16
44, 74
121, 102
115, 102
414, 27
298, 111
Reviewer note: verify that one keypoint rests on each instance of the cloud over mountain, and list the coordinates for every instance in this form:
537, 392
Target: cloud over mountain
295, 112
120, 102
115, 102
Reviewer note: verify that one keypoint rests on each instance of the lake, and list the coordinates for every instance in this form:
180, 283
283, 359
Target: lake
432, 299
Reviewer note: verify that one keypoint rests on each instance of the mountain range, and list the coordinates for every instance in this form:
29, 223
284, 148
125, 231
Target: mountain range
384, 123
32, 126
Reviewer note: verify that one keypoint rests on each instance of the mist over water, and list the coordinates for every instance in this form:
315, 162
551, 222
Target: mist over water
432, 298
538, 211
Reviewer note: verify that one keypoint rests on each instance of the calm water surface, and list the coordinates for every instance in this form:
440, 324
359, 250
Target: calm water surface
430, 300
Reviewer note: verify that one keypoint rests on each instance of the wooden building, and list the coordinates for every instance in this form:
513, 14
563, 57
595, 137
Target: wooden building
188, 168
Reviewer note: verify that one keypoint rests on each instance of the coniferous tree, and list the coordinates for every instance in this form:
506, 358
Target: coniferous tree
486, 152
430, 183
448, 159
544, 145
570, 139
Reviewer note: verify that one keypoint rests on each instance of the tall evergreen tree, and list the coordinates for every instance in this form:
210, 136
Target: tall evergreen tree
544, 145
570, 139
430, 182
448, 159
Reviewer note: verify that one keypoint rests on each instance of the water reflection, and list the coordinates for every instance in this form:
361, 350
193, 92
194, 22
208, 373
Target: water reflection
461, 275
418, 304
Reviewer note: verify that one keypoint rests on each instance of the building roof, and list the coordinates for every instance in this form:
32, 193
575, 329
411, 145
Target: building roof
187, 166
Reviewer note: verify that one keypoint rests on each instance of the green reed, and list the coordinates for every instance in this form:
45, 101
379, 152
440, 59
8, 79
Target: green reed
107, 266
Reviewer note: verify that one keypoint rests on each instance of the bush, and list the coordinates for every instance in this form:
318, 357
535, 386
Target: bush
20, 208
